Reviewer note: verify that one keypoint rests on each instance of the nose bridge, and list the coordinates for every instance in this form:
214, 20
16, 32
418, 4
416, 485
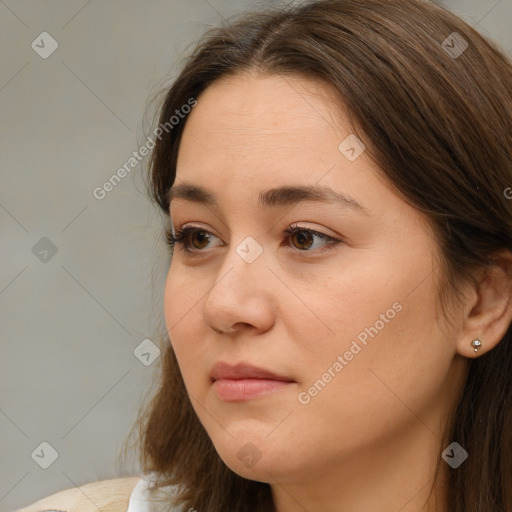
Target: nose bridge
244, 263
240, 294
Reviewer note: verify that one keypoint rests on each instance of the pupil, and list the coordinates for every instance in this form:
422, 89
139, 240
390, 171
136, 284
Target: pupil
200, 235
302, 238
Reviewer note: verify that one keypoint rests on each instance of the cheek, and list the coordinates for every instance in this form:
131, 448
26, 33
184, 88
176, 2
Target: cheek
182, 294
181, 309
378, 320
394, 355
358, 303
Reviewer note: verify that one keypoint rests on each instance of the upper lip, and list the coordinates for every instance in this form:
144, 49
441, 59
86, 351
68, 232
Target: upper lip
222, 370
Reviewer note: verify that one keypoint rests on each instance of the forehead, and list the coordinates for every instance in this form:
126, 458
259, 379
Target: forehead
265, 125
260, 111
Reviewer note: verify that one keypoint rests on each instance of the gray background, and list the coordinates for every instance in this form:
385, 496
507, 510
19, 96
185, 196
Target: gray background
70, 321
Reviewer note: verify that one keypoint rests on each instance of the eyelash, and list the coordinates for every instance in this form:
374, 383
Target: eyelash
182, 237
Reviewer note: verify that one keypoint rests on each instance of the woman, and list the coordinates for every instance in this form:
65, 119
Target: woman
339, 299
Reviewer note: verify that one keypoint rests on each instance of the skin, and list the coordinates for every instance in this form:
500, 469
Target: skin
370, 439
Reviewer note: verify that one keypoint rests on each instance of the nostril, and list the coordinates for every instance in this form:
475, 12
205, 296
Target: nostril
234, 328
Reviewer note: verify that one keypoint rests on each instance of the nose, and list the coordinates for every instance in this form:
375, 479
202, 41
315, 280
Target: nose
241, 298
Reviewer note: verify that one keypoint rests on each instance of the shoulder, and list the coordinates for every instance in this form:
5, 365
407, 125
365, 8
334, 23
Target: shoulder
106, 495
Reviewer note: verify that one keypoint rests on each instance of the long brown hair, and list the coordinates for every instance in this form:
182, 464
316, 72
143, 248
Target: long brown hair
434, 110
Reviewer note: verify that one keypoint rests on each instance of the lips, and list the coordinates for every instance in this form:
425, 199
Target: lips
222, 370
242, 382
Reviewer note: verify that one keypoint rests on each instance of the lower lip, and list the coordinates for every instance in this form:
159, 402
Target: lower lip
234, 390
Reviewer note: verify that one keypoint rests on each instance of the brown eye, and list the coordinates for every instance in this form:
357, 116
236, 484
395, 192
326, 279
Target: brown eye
201, 237
192, 238
303, 239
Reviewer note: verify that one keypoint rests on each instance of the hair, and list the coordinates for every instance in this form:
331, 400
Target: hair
439, 128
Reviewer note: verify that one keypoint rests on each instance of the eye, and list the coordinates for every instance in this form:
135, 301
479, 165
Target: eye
305, 238
195, 239
187, 237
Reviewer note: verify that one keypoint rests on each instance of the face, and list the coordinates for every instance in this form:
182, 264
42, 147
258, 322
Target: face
343, 307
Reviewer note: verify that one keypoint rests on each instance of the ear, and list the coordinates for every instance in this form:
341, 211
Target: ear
488, 312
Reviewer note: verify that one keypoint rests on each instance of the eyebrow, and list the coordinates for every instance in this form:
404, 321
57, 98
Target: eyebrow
279, 196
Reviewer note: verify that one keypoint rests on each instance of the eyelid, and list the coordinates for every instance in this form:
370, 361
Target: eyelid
299, 225
292, 226
190, 227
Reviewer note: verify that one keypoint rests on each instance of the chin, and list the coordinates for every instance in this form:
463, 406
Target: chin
261, 470
256, 458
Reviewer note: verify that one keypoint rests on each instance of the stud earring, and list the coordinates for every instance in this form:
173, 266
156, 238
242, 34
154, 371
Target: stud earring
476, 344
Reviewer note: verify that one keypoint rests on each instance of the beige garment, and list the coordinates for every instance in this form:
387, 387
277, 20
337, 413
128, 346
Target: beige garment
106, 495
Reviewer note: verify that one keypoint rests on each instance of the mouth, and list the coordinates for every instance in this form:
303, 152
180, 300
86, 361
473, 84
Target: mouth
234, 383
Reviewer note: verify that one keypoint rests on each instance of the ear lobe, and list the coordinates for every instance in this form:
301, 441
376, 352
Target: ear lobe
490, 315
